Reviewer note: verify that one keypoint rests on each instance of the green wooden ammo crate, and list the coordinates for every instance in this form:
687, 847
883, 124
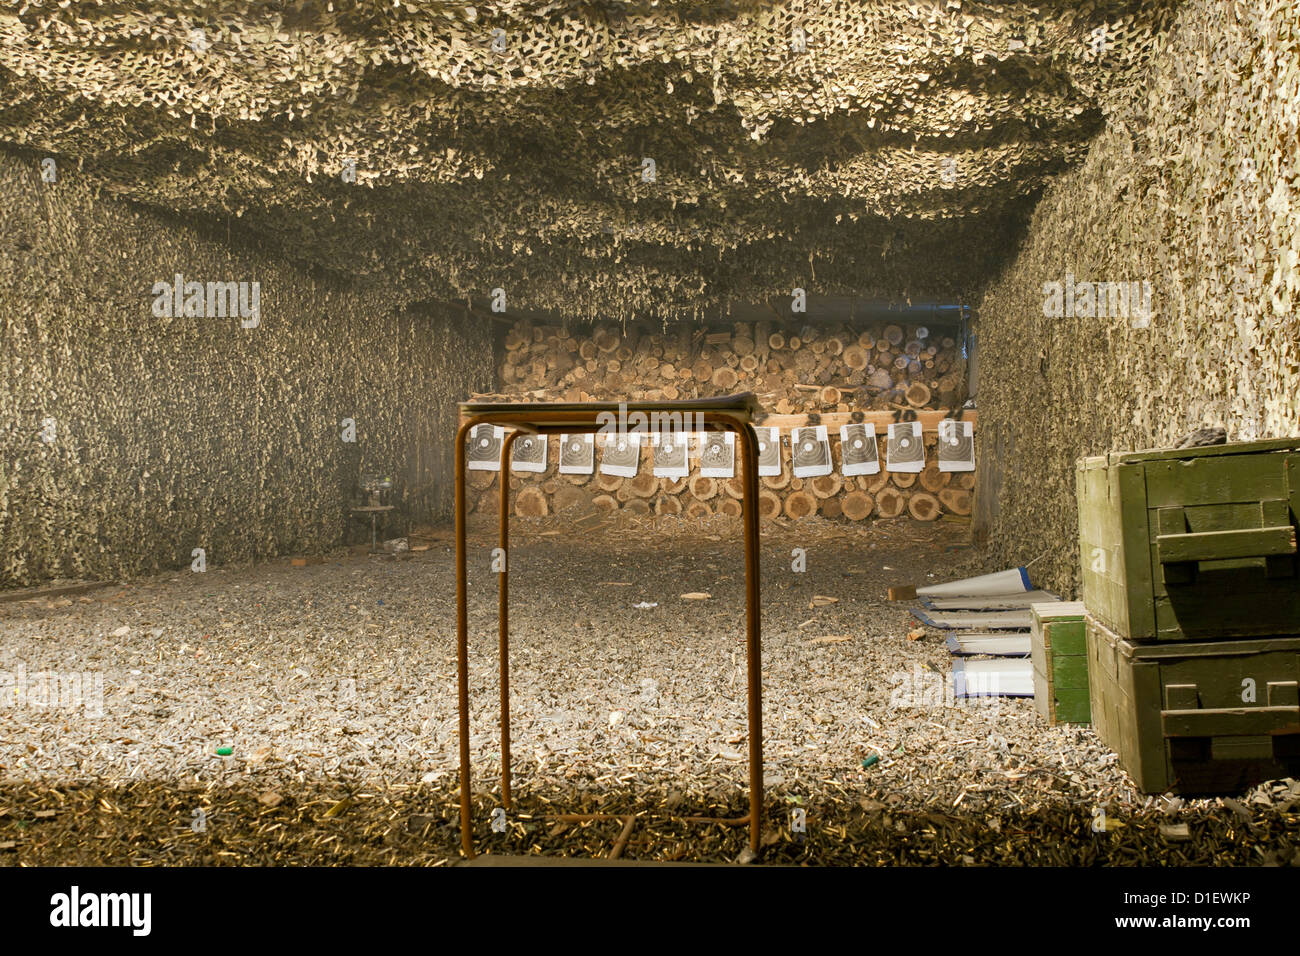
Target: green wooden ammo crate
1059, 653
1193, 543
1197, 717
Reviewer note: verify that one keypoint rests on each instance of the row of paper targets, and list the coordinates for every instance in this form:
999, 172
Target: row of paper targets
810, 451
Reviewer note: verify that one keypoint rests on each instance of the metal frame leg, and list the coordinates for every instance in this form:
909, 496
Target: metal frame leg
753, 628
462, 642
503, 616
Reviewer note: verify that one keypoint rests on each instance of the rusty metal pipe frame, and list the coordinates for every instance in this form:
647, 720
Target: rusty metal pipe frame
503, 616
462, 638
543, 422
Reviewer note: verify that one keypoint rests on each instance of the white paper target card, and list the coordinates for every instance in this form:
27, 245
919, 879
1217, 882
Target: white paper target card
906, 450
577, 454
671, 454
810, 452
718, 454
485, 447
956, 445
769, 451
858, 452
529, 454
622, 454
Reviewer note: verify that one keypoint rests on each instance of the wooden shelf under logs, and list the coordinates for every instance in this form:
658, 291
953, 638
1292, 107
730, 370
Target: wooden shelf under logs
929, 418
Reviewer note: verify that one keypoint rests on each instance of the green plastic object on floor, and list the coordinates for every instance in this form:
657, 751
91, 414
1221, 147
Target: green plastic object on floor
225, 751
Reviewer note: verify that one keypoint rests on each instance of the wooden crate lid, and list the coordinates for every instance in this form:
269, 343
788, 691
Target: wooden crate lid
1264, 446
1058, 611
1206, 451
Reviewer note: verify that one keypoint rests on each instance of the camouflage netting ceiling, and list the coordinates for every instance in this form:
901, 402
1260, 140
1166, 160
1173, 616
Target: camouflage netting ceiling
879, 148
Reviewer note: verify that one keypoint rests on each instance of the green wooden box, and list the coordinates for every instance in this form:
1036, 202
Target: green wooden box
1194, 543
1197, 717
1059, 654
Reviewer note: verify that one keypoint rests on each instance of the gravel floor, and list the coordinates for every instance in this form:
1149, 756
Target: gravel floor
338, 680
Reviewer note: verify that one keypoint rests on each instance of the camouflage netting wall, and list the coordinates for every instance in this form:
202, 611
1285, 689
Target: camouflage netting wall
1201, 199
127, 440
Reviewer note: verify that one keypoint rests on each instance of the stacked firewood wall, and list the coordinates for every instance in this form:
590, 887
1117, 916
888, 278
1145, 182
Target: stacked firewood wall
802, 374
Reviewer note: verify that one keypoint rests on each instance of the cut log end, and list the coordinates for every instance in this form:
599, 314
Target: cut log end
890, 502
827, 486
702, 488
917, 395
698, 509
644, 485
725, 378
857, 505
668, 505
855, 357
923, 506
932, 479
531, 503
956, 500
800, 504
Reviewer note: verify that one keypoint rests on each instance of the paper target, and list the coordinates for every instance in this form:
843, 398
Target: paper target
671, 459
859, 454
621, 455
718, 454
577, 454
485, 447
906, 450
529, 454
810, 452
769, 451
956, 445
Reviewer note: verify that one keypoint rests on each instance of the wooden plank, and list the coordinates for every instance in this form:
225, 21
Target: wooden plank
1069, 671
1226, 545
1011, 644
1206, 451
972, 620
1072, 710
999, 677
1042, 694
1056, 610
1065, 637
1141, 685
1135, 572
990, 602
1215, 481
1241, 720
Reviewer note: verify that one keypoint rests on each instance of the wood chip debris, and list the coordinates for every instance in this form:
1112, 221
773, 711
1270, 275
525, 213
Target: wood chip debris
343, 706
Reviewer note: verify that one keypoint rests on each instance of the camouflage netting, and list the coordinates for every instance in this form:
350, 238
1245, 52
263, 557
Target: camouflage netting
127, 440
1202, 199
875, 148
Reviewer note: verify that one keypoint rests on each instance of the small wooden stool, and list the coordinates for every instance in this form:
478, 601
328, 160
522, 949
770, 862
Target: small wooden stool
733, 413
